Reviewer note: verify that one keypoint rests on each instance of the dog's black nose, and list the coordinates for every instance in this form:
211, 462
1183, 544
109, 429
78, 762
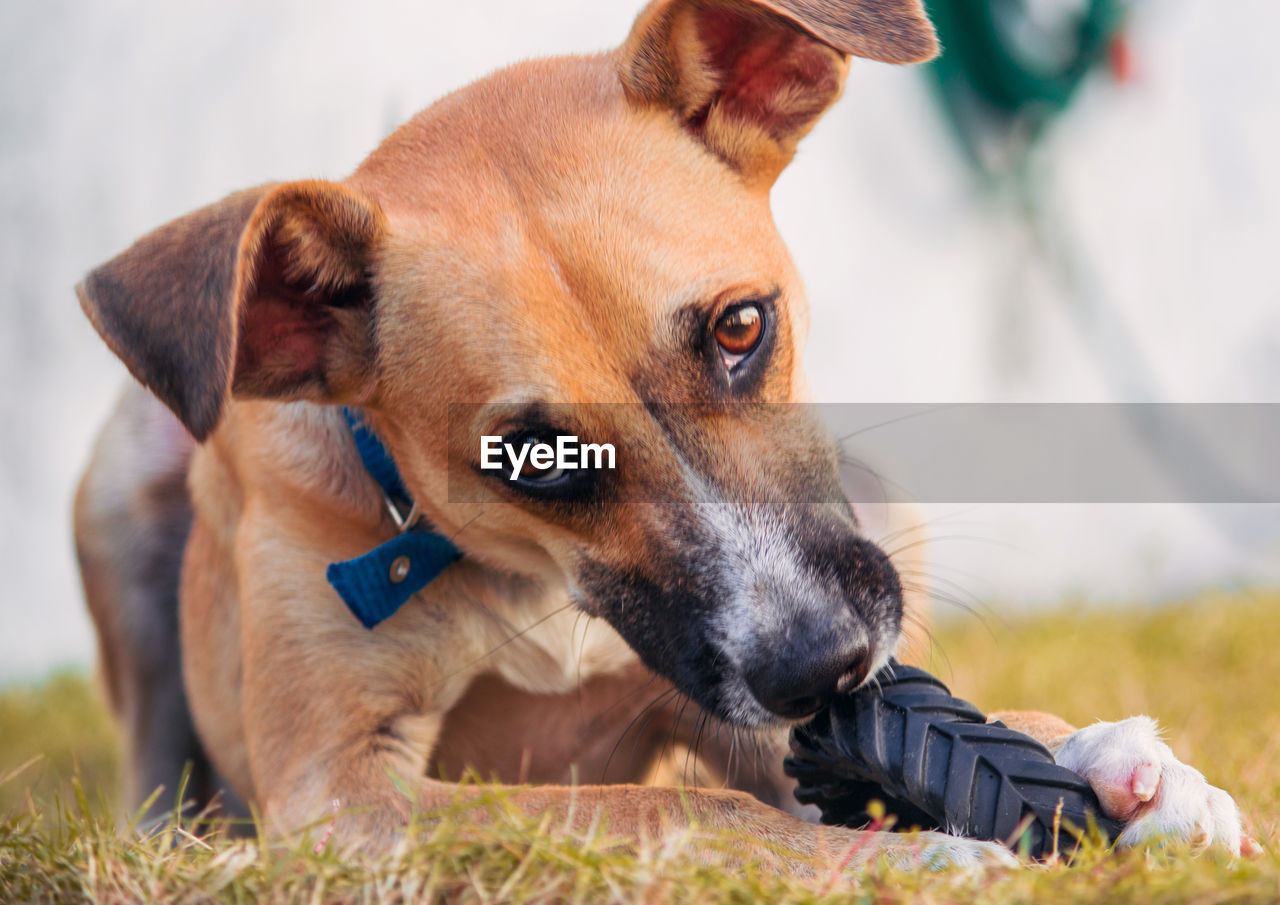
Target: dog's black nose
801, 686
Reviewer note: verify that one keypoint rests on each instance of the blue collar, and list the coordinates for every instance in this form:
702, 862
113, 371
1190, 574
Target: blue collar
377, 584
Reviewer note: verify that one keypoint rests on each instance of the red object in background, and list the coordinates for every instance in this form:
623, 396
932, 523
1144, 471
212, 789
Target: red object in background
1120, 58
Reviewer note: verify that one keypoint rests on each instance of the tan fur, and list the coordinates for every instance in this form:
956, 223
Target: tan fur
1046, 728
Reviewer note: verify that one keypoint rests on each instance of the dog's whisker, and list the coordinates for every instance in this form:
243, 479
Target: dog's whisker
846, 461
905, 417
573, 634
582, 647
453, 539
952, 574
519, 634
931, 585
972, 538
757, 751
688, 753
691, 750
884, 541
621, 700
731, 767
973, 607
697, 743
925, 525
921, 623
670, 743
718, 727
647, 713
936, 650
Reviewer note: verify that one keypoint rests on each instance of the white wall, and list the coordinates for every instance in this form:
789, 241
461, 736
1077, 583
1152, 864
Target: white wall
116, 116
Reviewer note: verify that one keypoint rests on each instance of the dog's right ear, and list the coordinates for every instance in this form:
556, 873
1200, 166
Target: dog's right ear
750, 77
267, 293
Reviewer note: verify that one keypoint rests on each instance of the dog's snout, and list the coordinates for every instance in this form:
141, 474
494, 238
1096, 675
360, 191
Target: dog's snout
797, 687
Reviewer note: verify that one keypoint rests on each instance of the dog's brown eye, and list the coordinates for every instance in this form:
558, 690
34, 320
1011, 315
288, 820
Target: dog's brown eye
540, 471
536, 458
739, 329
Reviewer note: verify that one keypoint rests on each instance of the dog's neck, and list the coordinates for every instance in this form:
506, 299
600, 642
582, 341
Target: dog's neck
318, 492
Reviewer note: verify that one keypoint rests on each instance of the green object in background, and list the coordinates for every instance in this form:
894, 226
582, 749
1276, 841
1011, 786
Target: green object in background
1015, 64
1008, 68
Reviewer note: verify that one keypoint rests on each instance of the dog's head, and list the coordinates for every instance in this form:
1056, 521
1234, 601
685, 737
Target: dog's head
579, 246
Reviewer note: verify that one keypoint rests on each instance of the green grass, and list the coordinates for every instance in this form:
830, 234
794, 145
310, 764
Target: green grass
1207, 669
62, 729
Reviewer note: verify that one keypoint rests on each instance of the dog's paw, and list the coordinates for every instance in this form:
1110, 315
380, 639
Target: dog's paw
1140, 782
941, 851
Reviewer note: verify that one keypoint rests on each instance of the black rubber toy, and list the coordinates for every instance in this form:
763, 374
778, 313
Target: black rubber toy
936, 763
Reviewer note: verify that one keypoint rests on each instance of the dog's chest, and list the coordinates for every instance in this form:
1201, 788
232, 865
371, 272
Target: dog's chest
595, 733
552, 652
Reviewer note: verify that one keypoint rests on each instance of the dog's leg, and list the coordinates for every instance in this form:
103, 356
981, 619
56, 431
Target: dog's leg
637, 814
132, 514
1139, 780
365, 742
753, 830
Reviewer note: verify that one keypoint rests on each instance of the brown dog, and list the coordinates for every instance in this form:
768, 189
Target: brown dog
564, 232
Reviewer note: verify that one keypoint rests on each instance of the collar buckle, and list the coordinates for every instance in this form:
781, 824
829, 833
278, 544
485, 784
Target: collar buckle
404, 520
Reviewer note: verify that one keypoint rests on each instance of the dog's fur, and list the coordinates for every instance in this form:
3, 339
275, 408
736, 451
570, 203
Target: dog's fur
563, 231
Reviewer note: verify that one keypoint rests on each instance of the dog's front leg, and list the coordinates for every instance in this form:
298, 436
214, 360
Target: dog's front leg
1140, 781
341, 719
368, 772
320, 757
749, 829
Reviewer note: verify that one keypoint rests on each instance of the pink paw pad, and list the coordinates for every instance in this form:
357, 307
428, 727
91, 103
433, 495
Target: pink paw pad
1146, 779
1122, 795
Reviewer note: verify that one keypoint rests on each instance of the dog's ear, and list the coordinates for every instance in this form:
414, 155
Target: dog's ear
751, 77
266, 293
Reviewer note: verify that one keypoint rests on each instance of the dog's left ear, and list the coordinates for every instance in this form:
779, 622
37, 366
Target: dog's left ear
265, 294
751, 77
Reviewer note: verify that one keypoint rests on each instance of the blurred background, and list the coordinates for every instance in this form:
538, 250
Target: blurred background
1079, 203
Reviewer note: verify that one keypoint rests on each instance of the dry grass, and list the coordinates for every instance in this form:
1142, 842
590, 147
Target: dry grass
1206, 668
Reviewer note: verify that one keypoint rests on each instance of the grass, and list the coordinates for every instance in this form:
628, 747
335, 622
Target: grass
60, 729
1206, 668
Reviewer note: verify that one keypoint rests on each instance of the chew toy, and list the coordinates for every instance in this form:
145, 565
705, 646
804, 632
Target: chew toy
936, 763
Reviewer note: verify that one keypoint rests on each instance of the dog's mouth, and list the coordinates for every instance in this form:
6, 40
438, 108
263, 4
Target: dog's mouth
759, 647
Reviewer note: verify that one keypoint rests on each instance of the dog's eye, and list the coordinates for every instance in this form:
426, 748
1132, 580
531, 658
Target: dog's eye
538, 464
738, 332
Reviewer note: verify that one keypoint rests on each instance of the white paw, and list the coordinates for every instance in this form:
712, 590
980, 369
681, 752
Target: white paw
1140, 782
936, 851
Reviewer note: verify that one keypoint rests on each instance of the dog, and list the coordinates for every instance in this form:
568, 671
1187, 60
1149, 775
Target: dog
576, 247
